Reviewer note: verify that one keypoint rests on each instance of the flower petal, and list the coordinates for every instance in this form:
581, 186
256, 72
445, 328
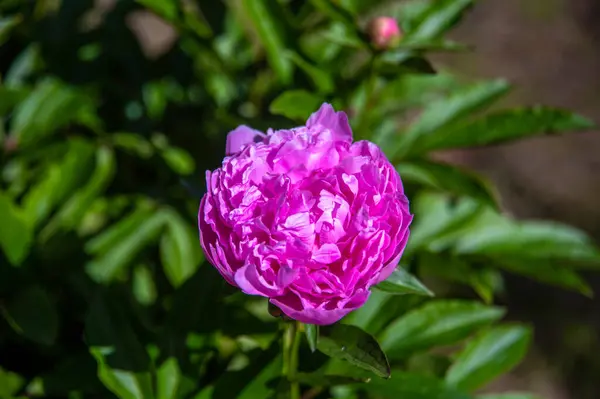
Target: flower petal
291, 305
239, 137
336, 122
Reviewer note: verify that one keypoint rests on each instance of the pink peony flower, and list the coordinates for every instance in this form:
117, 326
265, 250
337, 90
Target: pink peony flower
305, 217
384, 32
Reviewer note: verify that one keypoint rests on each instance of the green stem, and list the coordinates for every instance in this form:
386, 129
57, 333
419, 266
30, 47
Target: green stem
291, 343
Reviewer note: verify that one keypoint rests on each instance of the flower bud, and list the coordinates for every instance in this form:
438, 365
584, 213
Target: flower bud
384, 32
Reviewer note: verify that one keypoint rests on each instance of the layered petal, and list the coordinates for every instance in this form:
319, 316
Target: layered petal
335, 122
240, 137
304, 217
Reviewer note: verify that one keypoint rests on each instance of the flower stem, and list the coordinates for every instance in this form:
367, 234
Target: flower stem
291, 343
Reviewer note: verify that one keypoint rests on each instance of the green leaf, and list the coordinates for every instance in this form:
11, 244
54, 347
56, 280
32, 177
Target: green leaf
164, 8
342, 35
489, 355
440, 113
271, 35
322, 80
295, 104
124, 384
449, 178
23, 66
432, 45
144, 289
7, 24
401, 62
16, 234
435, 20
123, 364
168, 378
59, 181
108, 266
73, 211
334, 12
549, 272
312, 335
352, 344
529, 240
10, 383
510, 395
381, 309
133, 143
179, 249
413, 386
179, 160
50, 106
436, 323
416, 90
9, 97
116, 233
439, 220
484, 280
402, 282
503, 126
251, 381
326, 380
33, 314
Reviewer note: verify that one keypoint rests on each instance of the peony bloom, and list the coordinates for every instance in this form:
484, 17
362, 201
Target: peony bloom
305, 217
384, 32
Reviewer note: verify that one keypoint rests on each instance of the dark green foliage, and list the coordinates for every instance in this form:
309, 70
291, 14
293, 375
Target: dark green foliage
104, 291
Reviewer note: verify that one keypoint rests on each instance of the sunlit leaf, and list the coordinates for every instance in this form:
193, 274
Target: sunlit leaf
296, 104
436, 323
168, 377
60, 179
50, 105
143, 289
448, 178
490, 354
435, 19
312, 335
271, 33
412, 386
164, 8
321, 79
179, 249
179, 160
352, 344
402, 282
442, 112
123, 363
106, 267
10, 383
16, 235
73, 211
503, 126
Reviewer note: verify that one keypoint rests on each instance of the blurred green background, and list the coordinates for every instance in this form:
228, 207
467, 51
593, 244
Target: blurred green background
112, 111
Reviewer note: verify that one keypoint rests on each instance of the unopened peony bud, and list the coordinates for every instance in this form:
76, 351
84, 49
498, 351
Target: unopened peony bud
384, 32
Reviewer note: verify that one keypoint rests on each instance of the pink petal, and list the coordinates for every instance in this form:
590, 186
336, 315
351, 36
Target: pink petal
336, 122
239, 137
252, 283
328, 253
291, 305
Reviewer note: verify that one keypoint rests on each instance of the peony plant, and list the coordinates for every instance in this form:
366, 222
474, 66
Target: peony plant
105, 290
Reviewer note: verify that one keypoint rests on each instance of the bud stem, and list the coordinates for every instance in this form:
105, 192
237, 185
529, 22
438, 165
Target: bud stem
291, 343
